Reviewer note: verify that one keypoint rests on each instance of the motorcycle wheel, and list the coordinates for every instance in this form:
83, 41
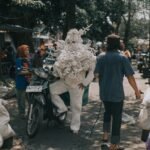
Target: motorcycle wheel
35, 120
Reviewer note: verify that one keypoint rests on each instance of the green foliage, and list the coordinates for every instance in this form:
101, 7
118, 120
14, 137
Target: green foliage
29, 3
134, 23
140, 29
83, 20
96, 12
53, 14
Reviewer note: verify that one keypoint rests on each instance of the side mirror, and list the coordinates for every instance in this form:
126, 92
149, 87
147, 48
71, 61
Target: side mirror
46, 69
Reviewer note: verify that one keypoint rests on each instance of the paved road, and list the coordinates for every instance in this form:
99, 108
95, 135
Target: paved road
56, 138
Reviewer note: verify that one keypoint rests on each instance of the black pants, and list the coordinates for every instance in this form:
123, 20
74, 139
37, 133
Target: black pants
113, 116
144, 135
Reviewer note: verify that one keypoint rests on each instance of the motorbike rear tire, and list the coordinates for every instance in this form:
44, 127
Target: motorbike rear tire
34, 124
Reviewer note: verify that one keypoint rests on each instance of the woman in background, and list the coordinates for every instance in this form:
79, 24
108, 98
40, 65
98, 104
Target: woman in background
22, 77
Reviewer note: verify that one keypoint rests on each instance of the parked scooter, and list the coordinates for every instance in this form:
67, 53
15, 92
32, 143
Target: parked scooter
141, 62
146, 68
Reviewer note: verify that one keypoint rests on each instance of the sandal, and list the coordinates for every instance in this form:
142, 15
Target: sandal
104, 146
115, 147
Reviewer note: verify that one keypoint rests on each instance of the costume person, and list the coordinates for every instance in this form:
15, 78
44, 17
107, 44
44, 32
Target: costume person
75, 66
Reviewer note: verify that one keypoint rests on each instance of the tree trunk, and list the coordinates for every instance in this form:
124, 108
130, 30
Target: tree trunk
128, 24
70, 16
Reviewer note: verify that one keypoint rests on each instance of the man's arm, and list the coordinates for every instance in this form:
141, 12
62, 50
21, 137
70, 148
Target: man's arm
133, 84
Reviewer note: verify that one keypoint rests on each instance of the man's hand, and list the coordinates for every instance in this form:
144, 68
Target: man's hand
138, 94
81, 86
133, 84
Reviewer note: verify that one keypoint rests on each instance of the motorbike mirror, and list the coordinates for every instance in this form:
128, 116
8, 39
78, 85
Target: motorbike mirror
46, 69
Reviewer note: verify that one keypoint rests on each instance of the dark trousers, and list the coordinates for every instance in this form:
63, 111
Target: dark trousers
112, 120
144, 135
21, 98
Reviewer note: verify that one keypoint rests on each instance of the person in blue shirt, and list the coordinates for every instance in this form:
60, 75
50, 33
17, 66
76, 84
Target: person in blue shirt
37, 61
22, 77
111, 67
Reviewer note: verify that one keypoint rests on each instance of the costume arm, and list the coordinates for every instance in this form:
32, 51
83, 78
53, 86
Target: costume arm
90, 75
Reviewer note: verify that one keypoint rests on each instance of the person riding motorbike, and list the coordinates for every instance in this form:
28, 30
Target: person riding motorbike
39, 57
75, 67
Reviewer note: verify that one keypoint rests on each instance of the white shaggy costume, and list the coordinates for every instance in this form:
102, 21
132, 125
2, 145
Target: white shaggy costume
5, 129
75, 65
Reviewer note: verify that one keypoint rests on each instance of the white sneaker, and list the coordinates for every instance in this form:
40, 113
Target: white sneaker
75, 131
62, 117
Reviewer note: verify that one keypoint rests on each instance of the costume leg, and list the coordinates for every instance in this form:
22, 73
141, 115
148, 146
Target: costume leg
56, 89
76, 106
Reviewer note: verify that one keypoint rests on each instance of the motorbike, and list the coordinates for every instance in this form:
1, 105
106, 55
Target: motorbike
40, 105
146, 68
141, 63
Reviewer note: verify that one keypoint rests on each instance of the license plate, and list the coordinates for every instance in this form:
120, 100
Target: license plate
34, 89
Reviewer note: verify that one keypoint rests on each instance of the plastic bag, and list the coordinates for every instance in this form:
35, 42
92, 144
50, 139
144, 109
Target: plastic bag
5, 129
146, 99
4, 115
1, 141
144, 116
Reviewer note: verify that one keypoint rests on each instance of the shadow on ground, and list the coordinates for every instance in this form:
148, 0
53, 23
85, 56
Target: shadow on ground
89, 138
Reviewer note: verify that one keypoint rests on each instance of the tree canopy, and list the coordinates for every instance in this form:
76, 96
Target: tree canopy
61, 15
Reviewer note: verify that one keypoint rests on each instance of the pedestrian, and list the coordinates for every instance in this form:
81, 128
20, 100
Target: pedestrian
37, 61
10, 52
75, 67
22, 77
125, 50
10, 55
111, 67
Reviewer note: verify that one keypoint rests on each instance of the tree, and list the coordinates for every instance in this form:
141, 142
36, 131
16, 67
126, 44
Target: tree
62, 15
128, 23
70, 16
131, 19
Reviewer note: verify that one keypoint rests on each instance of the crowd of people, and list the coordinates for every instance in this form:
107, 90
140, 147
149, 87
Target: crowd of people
76, 67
